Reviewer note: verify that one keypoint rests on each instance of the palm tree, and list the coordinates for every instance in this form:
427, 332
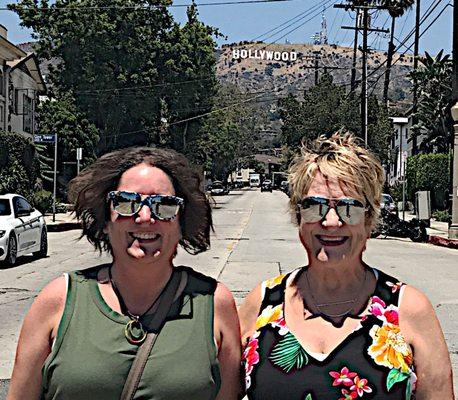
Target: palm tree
396, 9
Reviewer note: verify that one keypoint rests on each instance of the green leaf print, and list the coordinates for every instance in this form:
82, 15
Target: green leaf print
288, 354
395, 376
309, 397
409, 390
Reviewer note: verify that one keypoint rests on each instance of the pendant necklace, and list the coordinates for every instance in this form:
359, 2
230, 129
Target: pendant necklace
134, 331
338, 319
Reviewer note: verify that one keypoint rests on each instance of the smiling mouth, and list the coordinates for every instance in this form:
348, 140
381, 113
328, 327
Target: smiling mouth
145, 236
331, 240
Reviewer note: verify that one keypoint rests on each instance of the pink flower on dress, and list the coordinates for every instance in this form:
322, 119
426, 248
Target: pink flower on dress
360, 386
250, 357
344, 377
388, 314
281, 324
377, 306
394, 286
348, 395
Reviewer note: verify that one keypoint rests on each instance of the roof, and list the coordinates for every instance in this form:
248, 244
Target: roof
9, 196
30, 61
9, 51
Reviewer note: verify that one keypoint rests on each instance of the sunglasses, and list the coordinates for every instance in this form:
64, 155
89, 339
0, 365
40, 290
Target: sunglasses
315, 209
163, 208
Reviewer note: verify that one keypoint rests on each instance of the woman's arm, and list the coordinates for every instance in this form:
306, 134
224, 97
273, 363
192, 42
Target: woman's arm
421, 329
34, 345
248, 313
227, 334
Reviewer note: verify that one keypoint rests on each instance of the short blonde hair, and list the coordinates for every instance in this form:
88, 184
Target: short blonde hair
343, 158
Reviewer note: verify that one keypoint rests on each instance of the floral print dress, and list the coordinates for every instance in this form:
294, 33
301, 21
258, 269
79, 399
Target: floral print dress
373, 362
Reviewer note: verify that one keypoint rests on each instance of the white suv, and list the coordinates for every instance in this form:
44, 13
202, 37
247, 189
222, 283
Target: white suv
22, 229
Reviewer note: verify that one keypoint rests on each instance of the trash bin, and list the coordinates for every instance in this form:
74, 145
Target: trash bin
423, 206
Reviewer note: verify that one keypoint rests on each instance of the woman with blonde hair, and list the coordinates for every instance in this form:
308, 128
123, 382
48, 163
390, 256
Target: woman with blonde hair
339, 328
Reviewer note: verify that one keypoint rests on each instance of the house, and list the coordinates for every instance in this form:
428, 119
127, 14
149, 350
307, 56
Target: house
21, 84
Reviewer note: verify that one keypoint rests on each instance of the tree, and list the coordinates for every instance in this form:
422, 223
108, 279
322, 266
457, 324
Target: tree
229, 132
73, 131
326, 109
434, 85
396, 9
129, 66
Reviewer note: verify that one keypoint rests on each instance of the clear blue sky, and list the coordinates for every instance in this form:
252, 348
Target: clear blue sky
248, 21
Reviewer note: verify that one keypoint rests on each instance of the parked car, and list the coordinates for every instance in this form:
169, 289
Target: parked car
388, 203
22, 229
218, 188
266, 186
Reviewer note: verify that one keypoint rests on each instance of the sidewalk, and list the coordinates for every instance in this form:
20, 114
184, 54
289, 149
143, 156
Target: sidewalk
63, 222
437, 232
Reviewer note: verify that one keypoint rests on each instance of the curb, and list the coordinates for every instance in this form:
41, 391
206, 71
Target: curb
444, 242
63, 226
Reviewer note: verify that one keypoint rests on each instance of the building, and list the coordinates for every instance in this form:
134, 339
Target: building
21, 84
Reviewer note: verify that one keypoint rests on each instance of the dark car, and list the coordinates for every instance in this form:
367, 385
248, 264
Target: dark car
284, 187
218, 188
266, 186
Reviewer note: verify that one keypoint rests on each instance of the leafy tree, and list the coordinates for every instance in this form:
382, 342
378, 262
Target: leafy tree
434, 81
326, 109
229, 132
131, 68
73, 131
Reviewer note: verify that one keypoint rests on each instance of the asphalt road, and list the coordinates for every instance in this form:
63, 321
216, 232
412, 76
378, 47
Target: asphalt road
253, 240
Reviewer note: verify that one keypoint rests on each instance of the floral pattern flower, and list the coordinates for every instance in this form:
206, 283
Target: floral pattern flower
270, 283
394, 286
348, 395
389, 347
268, 315
388, 314
250, 357
360, 386
344, 377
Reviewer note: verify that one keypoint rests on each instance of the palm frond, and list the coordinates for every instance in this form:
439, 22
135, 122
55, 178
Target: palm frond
288, 354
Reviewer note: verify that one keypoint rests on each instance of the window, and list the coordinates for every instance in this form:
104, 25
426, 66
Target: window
2, 86
2, 110
27, 113
21, 205
5, 207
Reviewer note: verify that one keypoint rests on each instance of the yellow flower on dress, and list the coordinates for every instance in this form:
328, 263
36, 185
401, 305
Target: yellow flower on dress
389, 347
270, 283
269, 314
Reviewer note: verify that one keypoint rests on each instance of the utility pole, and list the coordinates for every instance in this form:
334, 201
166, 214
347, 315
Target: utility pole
355, 49
415, 86
453, 229
365, 28
364, 77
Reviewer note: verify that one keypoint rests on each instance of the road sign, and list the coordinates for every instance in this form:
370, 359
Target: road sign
44, 138
79, 153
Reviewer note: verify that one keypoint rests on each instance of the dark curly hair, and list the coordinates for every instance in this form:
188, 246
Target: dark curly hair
90, 188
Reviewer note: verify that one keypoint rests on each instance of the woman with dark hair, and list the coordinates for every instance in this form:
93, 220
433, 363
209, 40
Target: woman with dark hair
338, 328
138, 327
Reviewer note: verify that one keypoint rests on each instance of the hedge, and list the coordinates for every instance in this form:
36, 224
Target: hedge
429, 172
19, 166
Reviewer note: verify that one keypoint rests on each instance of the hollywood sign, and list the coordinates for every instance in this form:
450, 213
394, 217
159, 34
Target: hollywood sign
238, 54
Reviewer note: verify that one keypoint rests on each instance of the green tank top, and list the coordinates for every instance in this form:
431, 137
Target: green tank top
91, 357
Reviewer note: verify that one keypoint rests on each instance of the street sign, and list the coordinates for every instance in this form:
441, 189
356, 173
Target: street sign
79, 153
44, 138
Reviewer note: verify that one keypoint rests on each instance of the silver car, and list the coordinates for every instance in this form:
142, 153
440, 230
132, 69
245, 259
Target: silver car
22, 229
388, 203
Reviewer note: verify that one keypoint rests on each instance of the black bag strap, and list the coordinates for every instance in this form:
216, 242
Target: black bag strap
169, 296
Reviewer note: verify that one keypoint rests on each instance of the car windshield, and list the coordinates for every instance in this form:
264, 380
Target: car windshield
5, 208
386, 198
217, 185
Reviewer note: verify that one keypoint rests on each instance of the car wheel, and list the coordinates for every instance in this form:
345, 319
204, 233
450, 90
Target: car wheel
11, 256
419, 234
43, 252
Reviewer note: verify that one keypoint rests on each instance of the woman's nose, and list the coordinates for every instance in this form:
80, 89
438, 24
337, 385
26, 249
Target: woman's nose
331, 219
144, 215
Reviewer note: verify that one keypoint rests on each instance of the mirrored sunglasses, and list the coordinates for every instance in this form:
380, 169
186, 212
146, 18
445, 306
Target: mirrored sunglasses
163, 208
314, 209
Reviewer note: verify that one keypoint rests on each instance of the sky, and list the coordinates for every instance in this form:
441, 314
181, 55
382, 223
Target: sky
297, 21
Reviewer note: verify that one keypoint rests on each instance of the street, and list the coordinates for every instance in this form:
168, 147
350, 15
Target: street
253, 240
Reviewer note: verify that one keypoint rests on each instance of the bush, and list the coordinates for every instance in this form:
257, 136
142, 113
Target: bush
442, 216
42, 201
429, 172
18, 164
